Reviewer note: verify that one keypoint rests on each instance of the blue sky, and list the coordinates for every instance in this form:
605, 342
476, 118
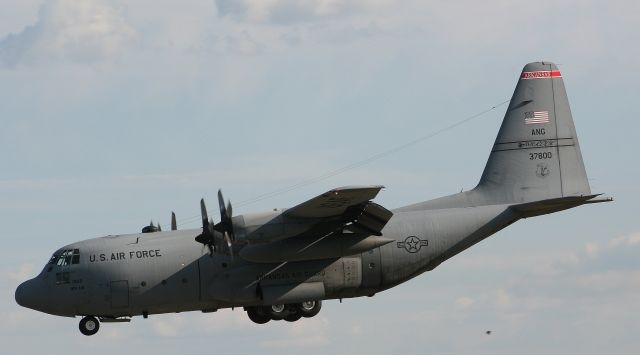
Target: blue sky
115, 112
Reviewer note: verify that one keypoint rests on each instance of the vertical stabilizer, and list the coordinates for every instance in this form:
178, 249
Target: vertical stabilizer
536, 155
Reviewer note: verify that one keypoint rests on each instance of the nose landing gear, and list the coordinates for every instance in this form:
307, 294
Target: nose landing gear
288, 312
89, 325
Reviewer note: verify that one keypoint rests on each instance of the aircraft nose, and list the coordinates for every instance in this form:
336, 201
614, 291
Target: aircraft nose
32, 294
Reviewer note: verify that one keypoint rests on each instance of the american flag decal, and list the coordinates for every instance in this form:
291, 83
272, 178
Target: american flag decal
533, 117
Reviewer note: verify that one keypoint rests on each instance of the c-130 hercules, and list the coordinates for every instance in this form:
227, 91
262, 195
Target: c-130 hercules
282, 263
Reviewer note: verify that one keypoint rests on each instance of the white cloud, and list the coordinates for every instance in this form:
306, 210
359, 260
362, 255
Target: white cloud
591, 249
294, 11
307, 332
502, 298
84, 31
22, 273
464, 302
242, 43
169, 326
625, 240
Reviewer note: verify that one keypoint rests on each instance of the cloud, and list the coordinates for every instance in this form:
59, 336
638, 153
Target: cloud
242, 43
625, 240
589, 276
294, 11
591, 249
305, 333
464, 302
82, 31
178, 325
22, 273
169, 326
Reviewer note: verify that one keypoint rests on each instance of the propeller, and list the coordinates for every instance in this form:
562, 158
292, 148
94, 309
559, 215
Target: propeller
207, 236
225, 227
151, 228
174, 225
226, 224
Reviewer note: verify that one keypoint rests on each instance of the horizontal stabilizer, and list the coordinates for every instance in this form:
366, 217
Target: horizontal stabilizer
537, 208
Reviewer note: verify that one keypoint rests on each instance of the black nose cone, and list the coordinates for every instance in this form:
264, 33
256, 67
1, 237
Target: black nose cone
32, 294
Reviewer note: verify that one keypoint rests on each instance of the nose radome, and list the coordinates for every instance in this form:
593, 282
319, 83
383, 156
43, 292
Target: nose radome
32, 294
22, 294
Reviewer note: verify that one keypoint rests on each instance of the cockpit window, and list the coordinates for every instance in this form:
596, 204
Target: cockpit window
53, 259
76, 256
67, 257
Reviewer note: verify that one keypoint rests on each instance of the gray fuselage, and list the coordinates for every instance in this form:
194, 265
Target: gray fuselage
162, 272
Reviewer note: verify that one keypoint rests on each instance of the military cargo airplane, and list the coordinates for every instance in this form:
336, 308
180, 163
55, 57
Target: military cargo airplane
281, 264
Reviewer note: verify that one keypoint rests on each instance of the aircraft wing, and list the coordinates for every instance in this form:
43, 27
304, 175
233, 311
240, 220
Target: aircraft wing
334, 202
343, 221
342, 209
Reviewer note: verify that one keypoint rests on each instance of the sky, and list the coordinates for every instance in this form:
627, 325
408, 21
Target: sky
117, 112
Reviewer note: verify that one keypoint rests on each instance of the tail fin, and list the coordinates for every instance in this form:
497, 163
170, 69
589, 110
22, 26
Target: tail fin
536, 155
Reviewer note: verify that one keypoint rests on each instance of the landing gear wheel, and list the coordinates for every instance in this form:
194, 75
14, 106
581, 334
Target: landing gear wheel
257, 315
89, 325
293, 316
309, 309
276, 311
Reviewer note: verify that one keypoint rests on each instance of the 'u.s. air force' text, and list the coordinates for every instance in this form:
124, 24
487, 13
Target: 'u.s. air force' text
138, 254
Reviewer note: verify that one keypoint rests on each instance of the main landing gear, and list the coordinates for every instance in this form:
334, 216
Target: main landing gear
89, 325
288, 312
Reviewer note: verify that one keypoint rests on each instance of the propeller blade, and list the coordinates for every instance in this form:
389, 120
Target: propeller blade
203, 211
226, 223
229, 244
174, 225
223, 210
159, 228
207, 236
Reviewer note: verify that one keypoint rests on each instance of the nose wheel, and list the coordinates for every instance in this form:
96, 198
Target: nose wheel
89, 325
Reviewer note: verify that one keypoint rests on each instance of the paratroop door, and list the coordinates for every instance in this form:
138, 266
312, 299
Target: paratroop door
371, 266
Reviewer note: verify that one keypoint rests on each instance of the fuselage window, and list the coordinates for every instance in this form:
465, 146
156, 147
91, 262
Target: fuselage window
62, 278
